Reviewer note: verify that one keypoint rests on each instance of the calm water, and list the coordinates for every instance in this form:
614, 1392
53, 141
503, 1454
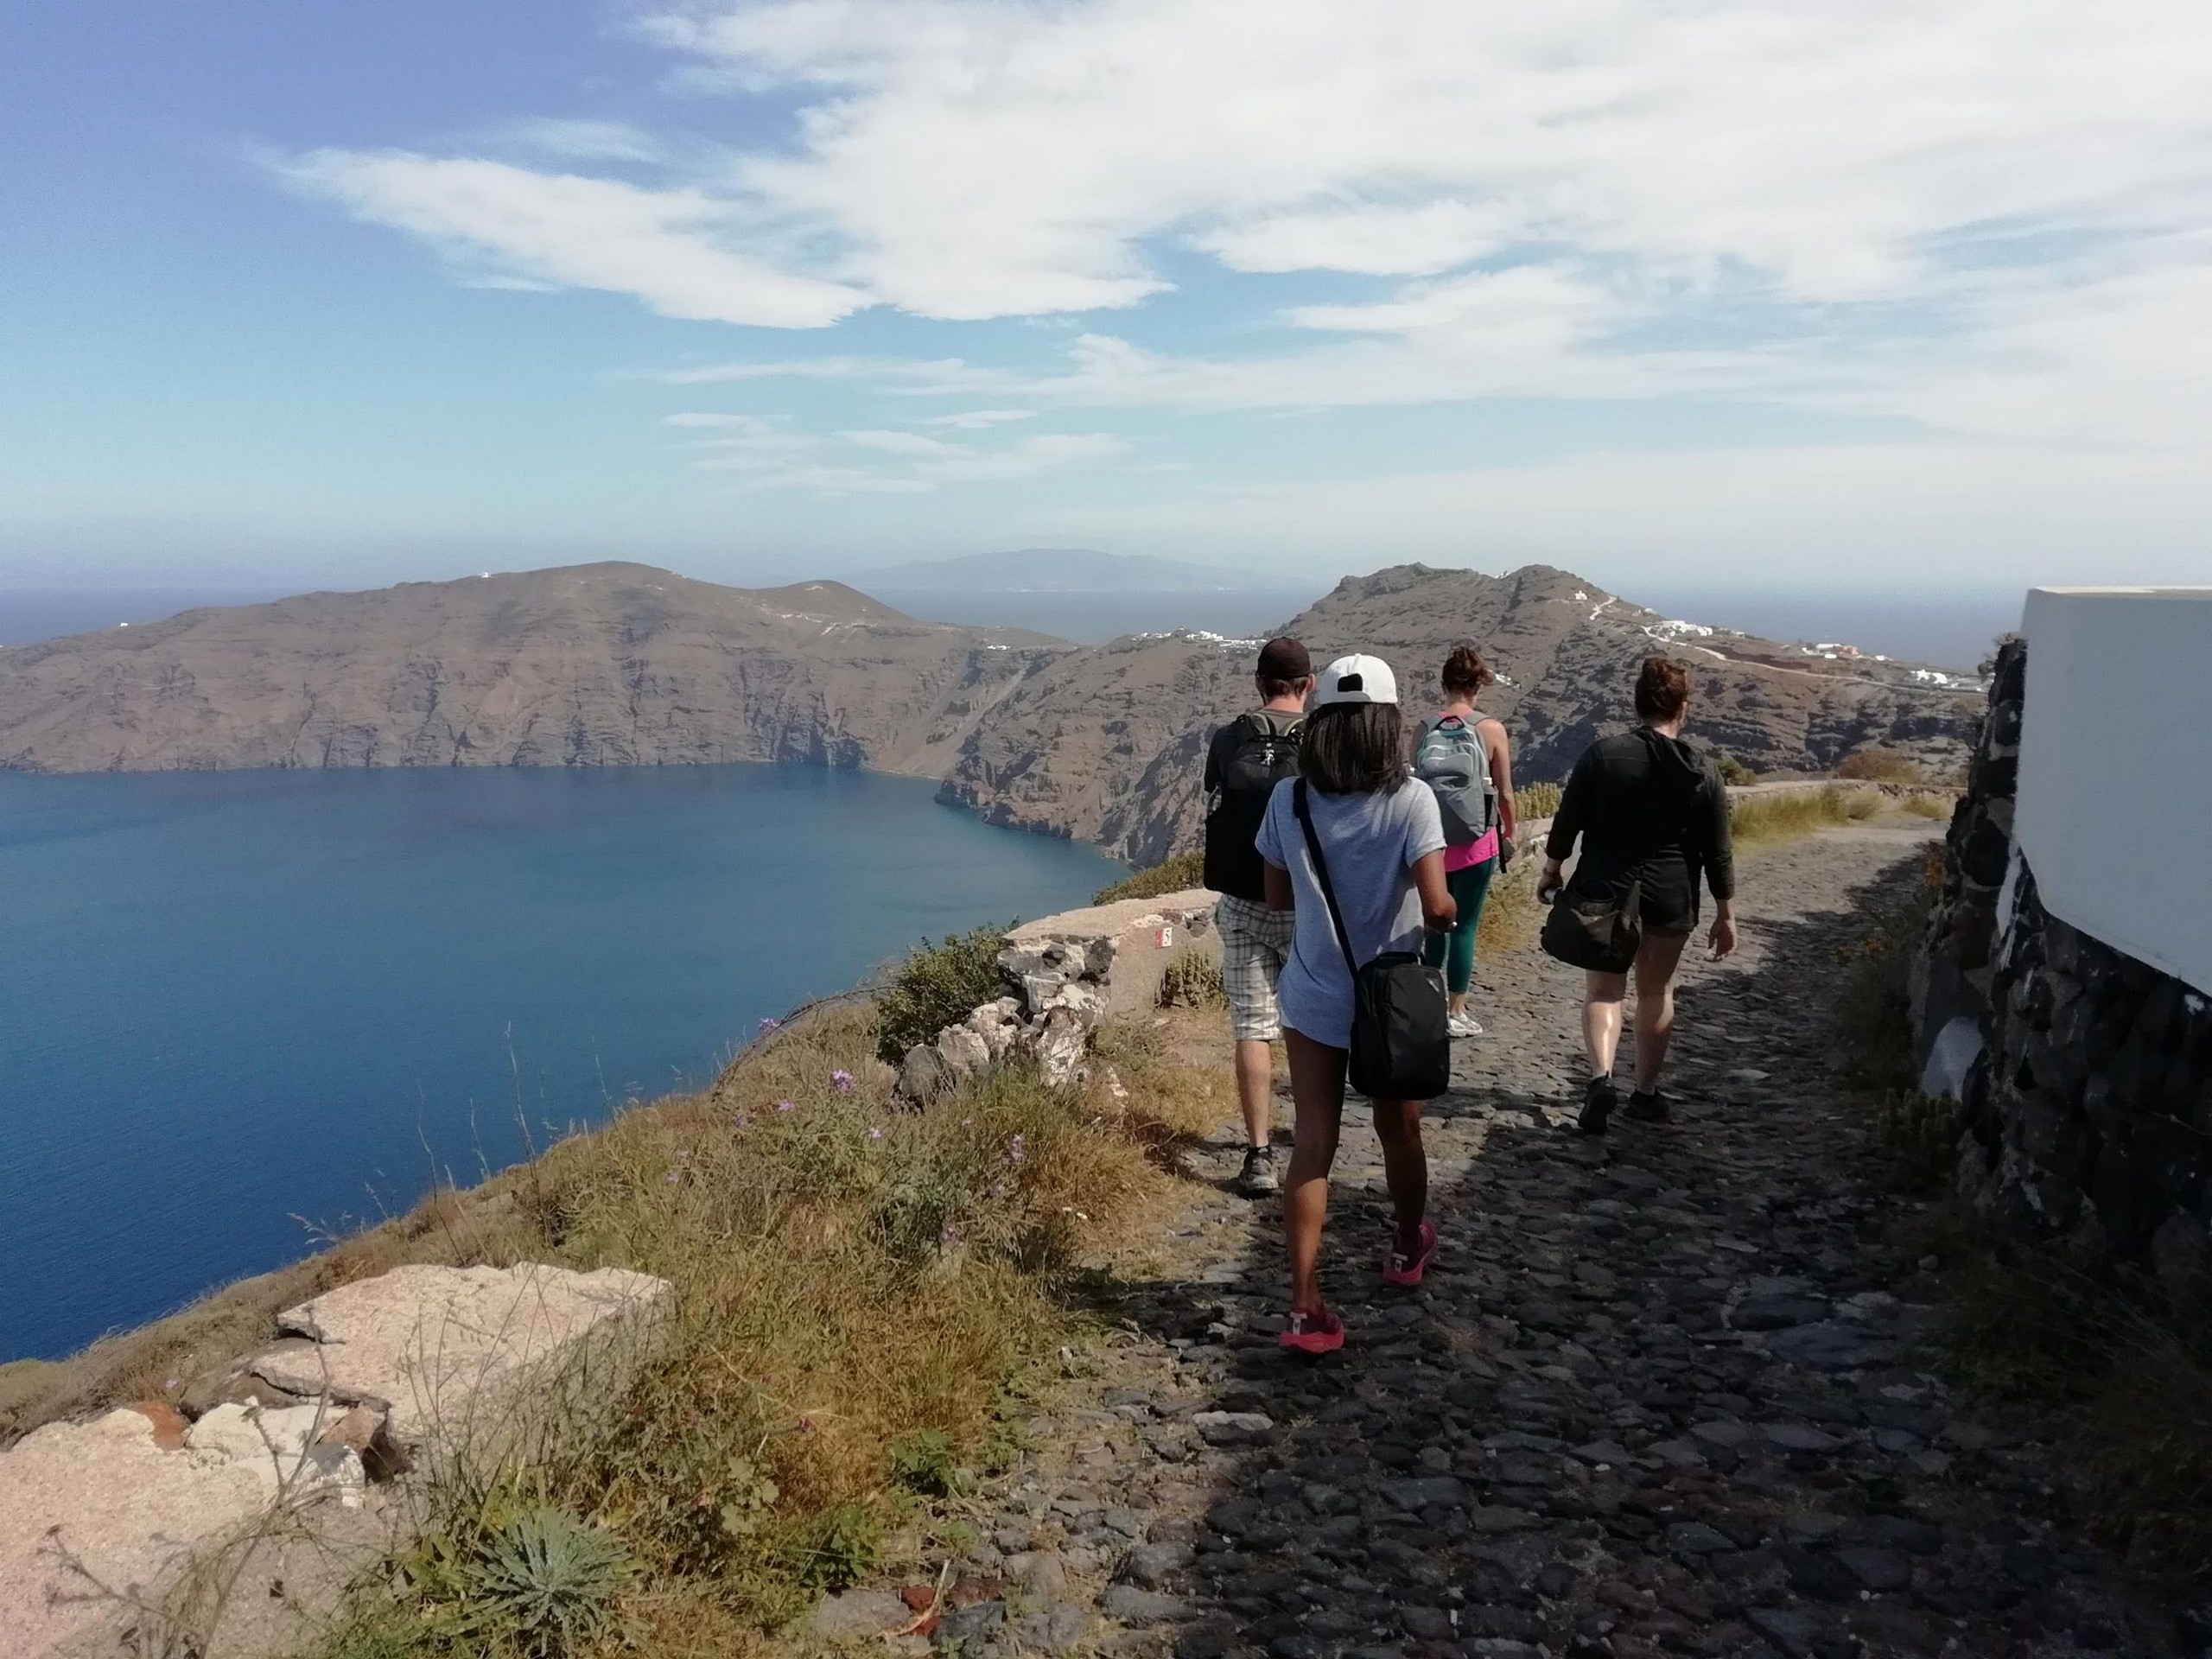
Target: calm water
236, 1008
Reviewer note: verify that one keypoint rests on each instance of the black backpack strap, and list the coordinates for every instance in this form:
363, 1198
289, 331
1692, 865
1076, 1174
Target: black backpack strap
1321, 873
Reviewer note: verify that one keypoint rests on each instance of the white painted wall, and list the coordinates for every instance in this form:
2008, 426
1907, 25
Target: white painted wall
2115, 814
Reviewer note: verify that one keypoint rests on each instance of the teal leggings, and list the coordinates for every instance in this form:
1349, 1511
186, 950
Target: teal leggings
1454, 953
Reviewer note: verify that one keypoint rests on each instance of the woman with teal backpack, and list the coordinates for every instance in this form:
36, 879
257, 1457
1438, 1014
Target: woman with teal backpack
1465, 756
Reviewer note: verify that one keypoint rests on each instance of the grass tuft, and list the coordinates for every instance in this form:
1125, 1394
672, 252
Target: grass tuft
1875, 764
1784, 814
1192, 980
1183, 871
1535, 801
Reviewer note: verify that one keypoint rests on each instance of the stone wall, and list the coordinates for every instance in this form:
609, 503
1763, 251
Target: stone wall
2084, 1075
1063, 975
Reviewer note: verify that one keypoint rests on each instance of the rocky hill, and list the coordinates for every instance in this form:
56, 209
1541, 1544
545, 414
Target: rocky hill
601, 664
610, 664
1106, 743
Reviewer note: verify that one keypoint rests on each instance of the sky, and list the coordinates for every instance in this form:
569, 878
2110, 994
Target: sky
1908, 295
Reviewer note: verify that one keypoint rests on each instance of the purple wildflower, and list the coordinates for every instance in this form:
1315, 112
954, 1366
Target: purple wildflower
740, 1122
842, 1081
875, 1134
783, 1105
767, 1025
174, 1384
671, 1178
948, 1234
1017, 1149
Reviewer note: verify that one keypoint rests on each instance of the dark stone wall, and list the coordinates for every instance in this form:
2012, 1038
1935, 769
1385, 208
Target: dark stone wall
2088, 1114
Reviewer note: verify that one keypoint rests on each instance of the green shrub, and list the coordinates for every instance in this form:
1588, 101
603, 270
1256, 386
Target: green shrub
938, 986
832, 1550
1192, 980
1184, 870
1734, 772
541, 1584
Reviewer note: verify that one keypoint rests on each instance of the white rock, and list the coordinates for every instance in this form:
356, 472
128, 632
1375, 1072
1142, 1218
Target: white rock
965, 1054
279, 1447
441, 1344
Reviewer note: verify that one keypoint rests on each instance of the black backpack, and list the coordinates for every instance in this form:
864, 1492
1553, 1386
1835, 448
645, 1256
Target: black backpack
1261, 752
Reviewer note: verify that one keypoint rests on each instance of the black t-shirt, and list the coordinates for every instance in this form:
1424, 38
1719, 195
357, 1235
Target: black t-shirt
1636, 796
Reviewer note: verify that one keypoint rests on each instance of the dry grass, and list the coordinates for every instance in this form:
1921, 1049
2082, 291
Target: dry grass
1784, 814
2132, 1395
1535, 801
1876, 765
1183, 871
857, 1288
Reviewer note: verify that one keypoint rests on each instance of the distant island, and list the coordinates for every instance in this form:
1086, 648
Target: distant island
623, 665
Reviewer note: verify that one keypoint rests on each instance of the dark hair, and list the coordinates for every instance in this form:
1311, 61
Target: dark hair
1662, 689
1284, 665
1354, 748
1465, 671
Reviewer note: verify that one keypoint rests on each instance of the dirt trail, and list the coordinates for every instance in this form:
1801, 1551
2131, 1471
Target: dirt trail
1658, 1395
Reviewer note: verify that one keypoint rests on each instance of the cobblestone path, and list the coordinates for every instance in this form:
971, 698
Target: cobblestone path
1657, 1396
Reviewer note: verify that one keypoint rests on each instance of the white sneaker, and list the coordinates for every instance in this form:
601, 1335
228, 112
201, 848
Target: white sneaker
1463, 1025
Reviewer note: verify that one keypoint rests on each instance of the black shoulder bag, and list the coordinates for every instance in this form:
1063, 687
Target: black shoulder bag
1400, 1044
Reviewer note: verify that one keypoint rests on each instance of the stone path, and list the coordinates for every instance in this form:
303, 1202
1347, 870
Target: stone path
1657, 1396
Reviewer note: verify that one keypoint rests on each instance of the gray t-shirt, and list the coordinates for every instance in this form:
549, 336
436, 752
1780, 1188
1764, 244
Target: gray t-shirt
1371, 842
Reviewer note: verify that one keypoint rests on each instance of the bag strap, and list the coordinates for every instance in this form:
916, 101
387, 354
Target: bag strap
1321, 873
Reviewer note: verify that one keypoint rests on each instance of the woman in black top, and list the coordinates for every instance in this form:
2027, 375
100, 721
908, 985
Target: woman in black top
1648, 808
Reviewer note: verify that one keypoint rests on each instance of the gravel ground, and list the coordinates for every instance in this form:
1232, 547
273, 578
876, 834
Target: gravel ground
1657, 1396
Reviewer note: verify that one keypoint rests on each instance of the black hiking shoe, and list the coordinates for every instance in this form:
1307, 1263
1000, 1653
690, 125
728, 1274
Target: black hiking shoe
1597, 1102
1258, 1178
1650, 1107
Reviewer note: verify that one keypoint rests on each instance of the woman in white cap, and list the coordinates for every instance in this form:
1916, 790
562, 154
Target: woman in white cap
1382, 838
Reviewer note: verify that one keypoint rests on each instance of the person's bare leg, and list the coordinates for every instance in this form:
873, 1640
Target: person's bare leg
1256, 1082
1317, 1084
1601, 1020
1455, 1002
1405, 1167
1656, 960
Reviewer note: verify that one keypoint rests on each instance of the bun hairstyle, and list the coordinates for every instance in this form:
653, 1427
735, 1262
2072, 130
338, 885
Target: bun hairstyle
1662, 689
1464, 673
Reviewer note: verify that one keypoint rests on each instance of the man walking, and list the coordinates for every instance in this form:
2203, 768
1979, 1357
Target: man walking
1245, 761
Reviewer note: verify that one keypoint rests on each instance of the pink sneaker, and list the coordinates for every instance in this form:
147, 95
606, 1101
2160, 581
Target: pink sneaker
1405, 1271
1312, 1331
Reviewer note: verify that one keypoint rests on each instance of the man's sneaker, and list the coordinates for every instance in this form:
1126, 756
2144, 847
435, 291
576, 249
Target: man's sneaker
1405, 1271
1597, 1102
1463, 1025
1258, 1178
1312, 1331
1648, 1108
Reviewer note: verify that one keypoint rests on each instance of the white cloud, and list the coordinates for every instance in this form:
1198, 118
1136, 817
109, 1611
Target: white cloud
905, 443
1048, 452
1378, 241
978, 420
669, 248
572, 140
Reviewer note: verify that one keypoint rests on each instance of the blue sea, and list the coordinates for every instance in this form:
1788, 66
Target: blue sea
241, 1011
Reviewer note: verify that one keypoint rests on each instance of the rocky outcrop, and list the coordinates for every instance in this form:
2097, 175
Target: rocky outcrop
122, 1524
1064, 975
1107, 743
621, 664
602, 665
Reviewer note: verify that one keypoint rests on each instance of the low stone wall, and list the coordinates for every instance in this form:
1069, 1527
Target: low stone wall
2084, 1075
1064, 975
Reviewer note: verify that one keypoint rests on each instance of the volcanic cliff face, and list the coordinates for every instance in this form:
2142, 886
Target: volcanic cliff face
613, 665
1107, 743
602, 665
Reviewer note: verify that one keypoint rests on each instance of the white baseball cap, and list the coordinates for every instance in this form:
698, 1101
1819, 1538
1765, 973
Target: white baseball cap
1355, 679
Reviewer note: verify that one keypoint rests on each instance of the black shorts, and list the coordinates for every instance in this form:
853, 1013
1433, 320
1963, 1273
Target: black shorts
1667, 895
